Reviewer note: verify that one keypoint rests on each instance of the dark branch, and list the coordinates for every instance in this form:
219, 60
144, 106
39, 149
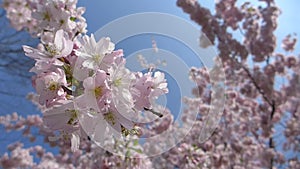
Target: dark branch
154, 112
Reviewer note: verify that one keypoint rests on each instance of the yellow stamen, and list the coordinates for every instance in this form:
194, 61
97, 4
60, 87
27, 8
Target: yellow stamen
47, 16
52, 50
118, 82
73, 116
110, 117
98, 92
53, 86
97, 58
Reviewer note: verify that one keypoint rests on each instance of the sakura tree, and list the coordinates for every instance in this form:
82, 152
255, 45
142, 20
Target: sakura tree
91, 102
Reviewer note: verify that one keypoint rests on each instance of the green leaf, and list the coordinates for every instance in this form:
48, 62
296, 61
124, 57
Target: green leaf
73, 19
136, 142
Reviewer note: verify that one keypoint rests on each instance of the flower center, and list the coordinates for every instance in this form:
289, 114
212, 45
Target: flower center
61, 22
52, 50
97, 58
110, 117
118, 82
47, 16
53, 86
98, 92
73, 116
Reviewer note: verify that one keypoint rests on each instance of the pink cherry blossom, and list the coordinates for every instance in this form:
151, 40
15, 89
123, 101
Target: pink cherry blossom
49, 86
61, 46
93, 52
96, 91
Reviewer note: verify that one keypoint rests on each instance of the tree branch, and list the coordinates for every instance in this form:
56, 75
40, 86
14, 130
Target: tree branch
257, 86
271, 141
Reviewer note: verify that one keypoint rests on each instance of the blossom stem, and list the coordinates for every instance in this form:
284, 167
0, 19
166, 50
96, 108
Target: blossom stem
67, 90
154, 112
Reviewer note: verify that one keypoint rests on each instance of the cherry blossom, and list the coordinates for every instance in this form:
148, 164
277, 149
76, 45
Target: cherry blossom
49, 86
77, 75
93, 52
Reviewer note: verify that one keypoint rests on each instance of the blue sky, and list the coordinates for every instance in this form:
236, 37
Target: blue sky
100, 13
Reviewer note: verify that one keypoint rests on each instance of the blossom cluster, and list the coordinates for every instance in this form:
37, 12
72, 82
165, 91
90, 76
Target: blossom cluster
43, 17
260, 123
89, 154
83, 85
